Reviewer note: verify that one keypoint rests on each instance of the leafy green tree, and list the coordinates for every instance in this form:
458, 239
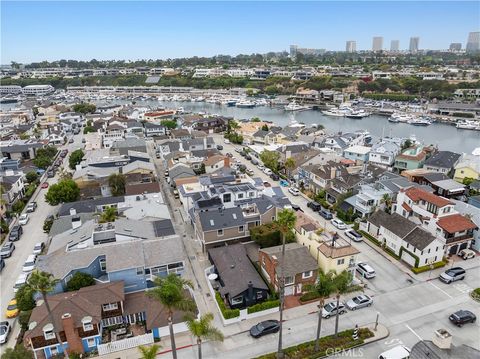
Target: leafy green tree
149, 352
108, 215
44, 283
203, 329
24, 298
44, 157
42, 162
286, 219
18, 206
170, 124
88, 129
31, 177
290, 165
407, 144
270, 159
265, 127
63, 191
75, 158
24, 318
84, 108
343, 284
19, 352
116, 181
170, 292
80, 280
255, 119
467, 181
323, 288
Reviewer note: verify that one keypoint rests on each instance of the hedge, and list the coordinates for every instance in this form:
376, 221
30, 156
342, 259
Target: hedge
309, 296
422, 269
370, 238
307, 350
263, 306
227, 313
391, 252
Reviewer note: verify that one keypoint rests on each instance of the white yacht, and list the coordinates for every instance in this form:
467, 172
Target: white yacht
335, 112
420, 122
245, 104
468, 125
293, 106
357, 114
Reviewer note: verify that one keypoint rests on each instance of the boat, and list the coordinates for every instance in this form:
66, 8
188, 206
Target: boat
420, 122
245, 104
467, 125
334, 112
293, 106
357, 115
393, 120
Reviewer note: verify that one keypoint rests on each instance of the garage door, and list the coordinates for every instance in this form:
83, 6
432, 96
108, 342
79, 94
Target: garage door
463, 246
289, 290
408, 258
453, 249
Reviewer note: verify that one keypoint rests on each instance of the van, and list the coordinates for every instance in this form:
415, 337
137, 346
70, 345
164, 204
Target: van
29, 264
398, 352
365, 270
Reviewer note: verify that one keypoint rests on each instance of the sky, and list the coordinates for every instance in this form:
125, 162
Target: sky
122, 30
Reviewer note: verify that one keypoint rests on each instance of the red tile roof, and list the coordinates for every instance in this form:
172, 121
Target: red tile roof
455, 223
407, 207
417, 194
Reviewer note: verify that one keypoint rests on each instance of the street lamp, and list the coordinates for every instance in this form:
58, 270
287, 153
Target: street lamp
376, 321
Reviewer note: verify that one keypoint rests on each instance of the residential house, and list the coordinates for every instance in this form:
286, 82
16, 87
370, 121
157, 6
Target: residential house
413, 244
337, 254
467, 167
339, 142
442, 162
357, 153
113, 132
368, 198
179, 171
410, 158
467, 209
383, 153
135, 128
301, 269
13, 188
180, 134
239, 283
213, 124
122, 147
20, 149
153, 129
215, 162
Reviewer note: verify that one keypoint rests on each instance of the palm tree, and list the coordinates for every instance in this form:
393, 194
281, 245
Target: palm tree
342, 284
387, 201
149, 352
203, 329
44, 283
286, 221
108, 215
324, 288
290, 165
170, 292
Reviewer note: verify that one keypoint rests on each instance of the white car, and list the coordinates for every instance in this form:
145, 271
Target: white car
261, 167
38, 248
353, 235
267, 171
294, 191
366, 270
338, 223
23, 219
227, 141
4, 331
30, 263
21, 281
398, 352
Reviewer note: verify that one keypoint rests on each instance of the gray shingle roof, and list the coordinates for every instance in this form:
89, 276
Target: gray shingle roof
226, 218
89, 206
446, 159
395, 223
297, 258
419, 238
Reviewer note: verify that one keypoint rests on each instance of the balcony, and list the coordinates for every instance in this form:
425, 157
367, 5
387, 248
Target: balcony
465, 237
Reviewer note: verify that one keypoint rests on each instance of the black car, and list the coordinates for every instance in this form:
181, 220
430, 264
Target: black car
15, 233
296, 207
315, 206
219, 147
243, 154
274, 176
254, 161
265, 327
325, 214
7, 250
462, 317
248, 157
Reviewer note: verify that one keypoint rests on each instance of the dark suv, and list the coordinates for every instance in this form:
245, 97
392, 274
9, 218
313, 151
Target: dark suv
315, 206
462, 317
15, 233
325, 214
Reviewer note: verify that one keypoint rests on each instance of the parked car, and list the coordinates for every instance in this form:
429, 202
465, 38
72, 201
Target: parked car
227, 141
284, 183
250, 172
274, 176
38, 249
248, 157
266, 184
228, 154
359, 301
219, 147
462, 317
30, 263
315, 206
31, 207
23, 219
338, 223
44, 185
7, 250
267, 171
243, 153
70, 140
366, 270
12, 310
4, 331
466, 254
175, 194
166, 173
452, 275
294, 191
51, 174
84, 140
254, 161
15, 233
296, 207
325, 214
353, 235
330, 309
21, 281
261, 167
398, 352
265, 327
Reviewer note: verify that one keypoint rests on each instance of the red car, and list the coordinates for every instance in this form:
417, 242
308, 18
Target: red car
45, 185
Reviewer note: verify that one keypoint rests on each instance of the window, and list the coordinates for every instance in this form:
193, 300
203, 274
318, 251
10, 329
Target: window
68, 277
139, 271
289, 280
110, 306
308, 274
263, 261
241, 229
220, 232
340, 261
91, 342
240, 196
227, 197
49, 334
103, 265
259, 295
251, 194
54, 350
273, 218
237, 300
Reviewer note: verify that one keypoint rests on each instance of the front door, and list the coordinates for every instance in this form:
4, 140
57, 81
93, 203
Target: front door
289, 290
299, 289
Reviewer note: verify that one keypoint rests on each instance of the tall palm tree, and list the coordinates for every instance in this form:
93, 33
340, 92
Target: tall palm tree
170, 292
342, 284
149, 352
44, 283
203, 329
290, 165
324, 288
387, 201
286, 221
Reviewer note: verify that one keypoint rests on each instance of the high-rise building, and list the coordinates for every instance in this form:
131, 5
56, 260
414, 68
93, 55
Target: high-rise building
377, 44
455, 46
414, 42
395, 45
351, 46
293, 50
473, 42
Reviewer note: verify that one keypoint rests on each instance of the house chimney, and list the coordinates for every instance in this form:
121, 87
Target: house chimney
226, 162
73, 340
76, 222
288, 154
205, 143
73, 211
250, 297
333, 172
442, 339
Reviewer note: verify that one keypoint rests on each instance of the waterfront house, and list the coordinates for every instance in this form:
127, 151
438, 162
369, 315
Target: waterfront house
383, 153
153, 129
467, 167
357, 153
239, 283
301, 269
442, 162
410, 158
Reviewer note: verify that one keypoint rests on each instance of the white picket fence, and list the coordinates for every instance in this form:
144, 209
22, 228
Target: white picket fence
124, 344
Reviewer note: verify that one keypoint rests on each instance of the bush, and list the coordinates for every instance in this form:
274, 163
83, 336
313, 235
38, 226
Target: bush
80, 280
370, 238
75, 158
309, 296
31, 177
227, 313
23, 319
24, 297
391, 252
417, 260
263, 306
269, 235
18, 206
30, 190
426, 268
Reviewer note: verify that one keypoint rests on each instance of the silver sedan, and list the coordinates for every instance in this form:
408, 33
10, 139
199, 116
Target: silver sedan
359, 301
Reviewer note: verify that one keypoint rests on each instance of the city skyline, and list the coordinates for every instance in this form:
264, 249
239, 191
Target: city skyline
134, 32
